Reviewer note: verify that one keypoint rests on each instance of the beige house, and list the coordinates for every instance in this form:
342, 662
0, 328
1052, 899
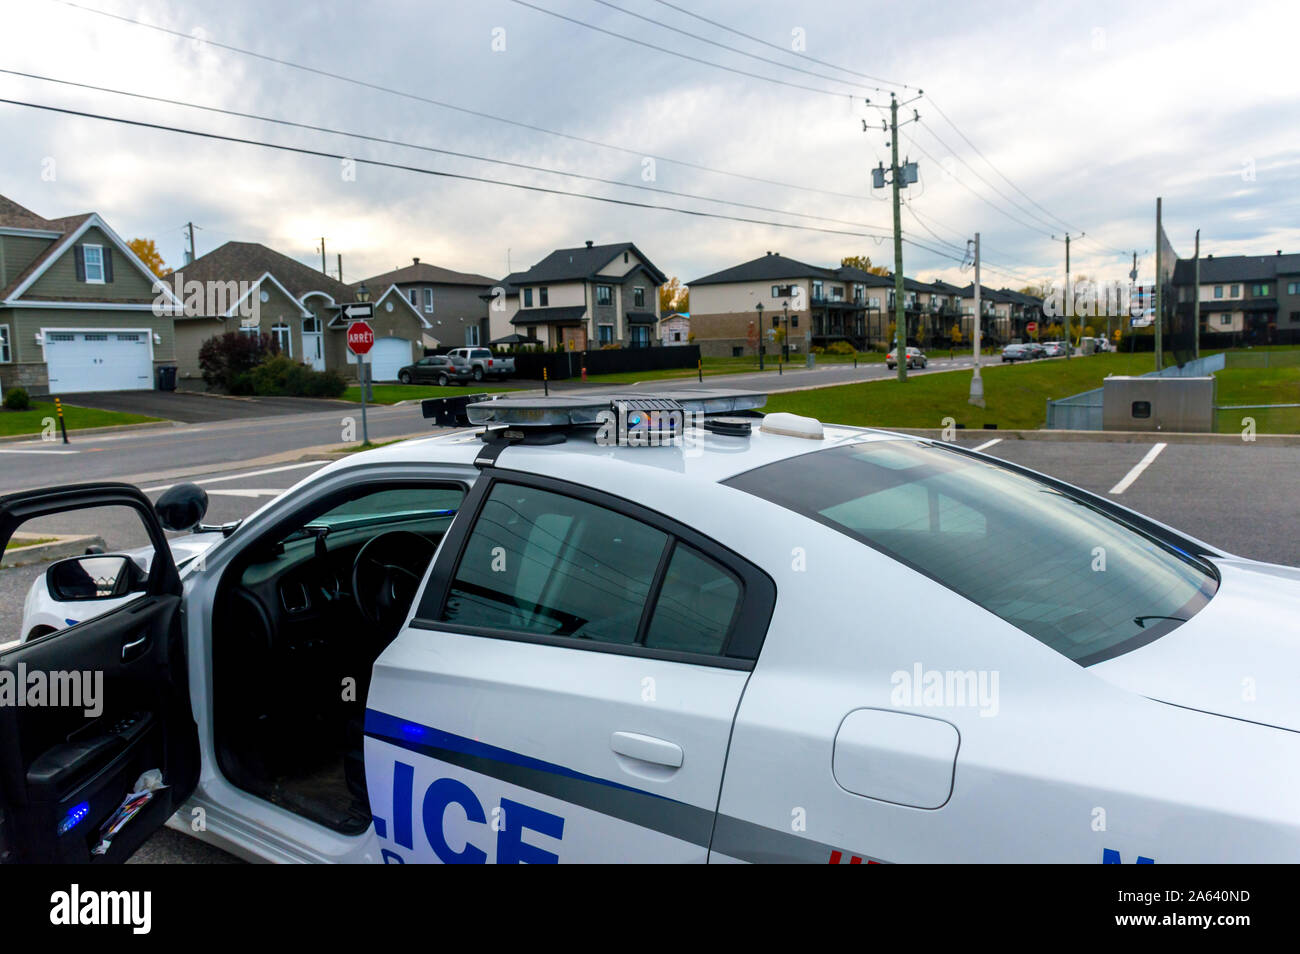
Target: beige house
78, 310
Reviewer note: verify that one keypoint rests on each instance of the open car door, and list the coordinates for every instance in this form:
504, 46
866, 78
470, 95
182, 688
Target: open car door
66, 770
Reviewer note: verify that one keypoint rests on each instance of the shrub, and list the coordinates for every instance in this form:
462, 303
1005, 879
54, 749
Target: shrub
840, 347
283, 377
224, 358
18, 400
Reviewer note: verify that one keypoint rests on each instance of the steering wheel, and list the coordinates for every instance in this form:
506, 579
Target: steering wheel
386, 575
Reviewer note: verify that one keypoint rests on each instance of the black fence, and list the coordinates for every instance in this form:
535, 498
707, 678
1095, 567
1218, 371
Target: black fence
560, 365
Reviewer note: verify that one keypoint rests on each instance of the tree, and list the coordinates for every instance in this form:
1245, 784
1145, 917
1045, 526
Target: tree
674, 296
1039, 290
147, 252
227, 360
863, 263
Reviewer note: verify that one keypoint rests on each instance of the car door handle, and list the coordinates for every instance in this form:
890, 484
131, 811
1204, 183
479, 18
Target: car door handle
135, 648
646, 748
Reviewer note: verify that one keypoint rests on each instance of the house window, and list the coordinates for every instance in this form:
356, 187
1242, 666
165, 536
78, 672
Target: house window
1258, 290
1225, 319
1293, 288
249, 330
94, 259
794, 321
737, 351
605, 334
528, 298
471, 336
532, 331
604, 295
1218, 291
428, 300
638, 297
817, 291
677, 336
5, 354
1236, 291
782, 291
837, 293
543, 296
280, 334
413, 295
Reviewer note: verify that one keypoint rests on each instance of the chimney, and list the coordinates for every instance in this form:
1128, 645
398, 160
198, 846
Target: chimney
1279, 251
415, 261
588, 243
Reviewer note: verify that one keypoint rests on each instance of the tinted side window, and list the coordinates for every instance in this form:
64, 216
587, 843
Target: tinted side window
539, 562
696, 606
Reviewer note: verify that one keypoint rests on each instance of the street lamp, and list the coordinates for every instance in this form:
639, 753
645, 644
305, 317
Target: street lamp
785, 341
363, 293
759, 308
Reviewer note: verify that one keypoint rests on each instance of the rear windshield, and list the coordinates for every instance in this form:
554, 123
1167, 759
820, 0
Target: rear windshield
1079, 580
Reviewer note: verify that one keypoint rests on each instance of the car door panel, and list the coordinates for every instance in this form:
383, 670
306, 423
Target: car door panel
514, 746
65, 769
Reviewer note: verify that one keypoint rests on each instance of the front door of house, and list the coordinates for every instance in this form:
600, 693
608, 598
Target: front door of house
313, 351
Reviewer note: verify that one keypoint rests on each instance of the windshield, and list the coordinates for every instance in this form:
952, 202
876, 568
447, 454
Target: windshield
1072, 576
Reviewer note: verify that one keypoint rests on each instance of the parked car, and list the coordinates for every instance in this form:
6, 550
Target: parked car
1016, 352
441, 369
1054, 349
915, 359
484, 364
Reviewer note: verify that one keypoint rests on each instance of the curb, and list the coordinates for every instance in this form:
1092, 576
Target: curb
34, 437
59, 547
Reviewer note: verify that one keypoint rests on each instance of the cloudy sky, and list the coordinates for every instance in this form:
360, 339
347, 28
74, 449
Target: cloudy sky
1068, 116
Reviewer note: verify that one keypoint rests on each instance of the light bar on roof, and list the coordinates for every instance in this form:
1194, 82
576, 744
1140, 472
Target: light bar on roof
584, 409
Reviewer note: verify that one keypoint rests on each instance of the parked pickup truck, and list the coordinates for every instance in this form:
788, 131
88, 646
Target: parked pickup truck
483, 363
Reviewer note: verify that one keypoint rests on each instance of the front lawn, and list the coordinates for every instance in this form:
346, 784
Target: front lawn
31, 421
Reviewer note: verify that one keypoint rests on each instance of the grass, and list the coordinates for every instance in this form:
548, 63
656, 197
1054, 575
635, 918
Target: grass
1015, 395
31, 421
392, 393
17, 543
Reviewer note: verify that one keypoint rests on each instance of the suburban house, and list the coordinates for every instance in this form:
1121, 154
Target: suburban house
454, 303
251, 289
1253, 297
594, 296
78, 310
675, 329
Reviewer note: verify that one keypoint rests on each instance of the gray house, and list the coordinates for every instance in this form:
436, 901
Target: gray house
454, 304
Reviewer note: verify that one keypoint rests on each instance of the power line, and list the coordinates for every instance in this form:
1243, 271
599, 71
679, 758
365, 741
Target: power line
678, 53
320, 153
432, 149
733, 49
441, 104
774, 46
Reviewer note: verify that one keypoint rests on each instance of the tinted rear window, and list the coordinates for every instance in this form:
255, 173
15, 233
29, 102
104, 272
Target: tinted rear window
1079, 580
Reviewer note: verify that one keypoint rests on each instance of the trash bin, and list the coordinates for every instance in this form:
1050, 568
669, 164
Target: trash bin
166, 378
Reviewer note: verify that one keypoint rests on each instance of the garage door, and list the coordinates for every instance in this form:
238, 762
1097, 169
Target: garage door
98, 361
387, 357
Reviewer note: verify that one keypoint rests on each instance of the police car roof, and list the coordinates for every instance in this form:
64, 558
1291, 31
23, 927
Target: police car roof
700, 455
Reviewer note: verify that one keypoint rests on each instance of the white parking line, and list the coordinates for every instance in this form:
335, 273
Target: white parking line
232, 492
7, 451
1136, 472
252, 473
987, 444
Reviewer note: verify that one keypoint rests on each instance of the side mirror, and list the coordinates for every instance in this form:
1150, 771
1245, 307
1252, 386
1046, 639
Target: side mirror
182, 507
94, 577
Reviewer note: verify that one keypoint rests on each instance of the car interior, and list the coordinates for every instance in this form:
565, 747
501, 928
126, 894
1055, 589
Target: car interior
300, 619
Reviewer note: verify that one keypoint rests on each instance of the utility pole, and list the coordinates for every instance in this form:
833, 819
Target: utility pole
1160, 296
1196, 294
340, 267
192, 256
323, 269
976, 383
900, 176
1069, 293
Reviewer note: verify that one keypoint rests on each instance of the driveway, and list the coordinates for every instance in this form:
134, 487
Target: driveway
191, 407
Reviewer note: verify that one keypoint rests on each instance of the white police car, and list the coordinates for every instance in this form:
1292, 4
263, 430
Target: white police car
760, 640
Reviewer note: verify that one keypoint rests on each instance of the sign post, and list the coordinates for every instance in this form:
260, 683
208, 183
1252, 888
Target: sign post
1031, 328
361, 338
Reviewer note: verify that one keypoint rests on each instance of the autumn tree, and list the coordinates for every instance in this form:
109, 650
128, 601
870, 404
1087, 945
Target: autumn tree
863, 263
674, 296
147, 251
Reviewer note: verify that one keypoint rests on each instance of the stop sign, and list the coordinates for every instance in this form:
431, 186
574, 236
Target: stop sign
360, 337
1031, 327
